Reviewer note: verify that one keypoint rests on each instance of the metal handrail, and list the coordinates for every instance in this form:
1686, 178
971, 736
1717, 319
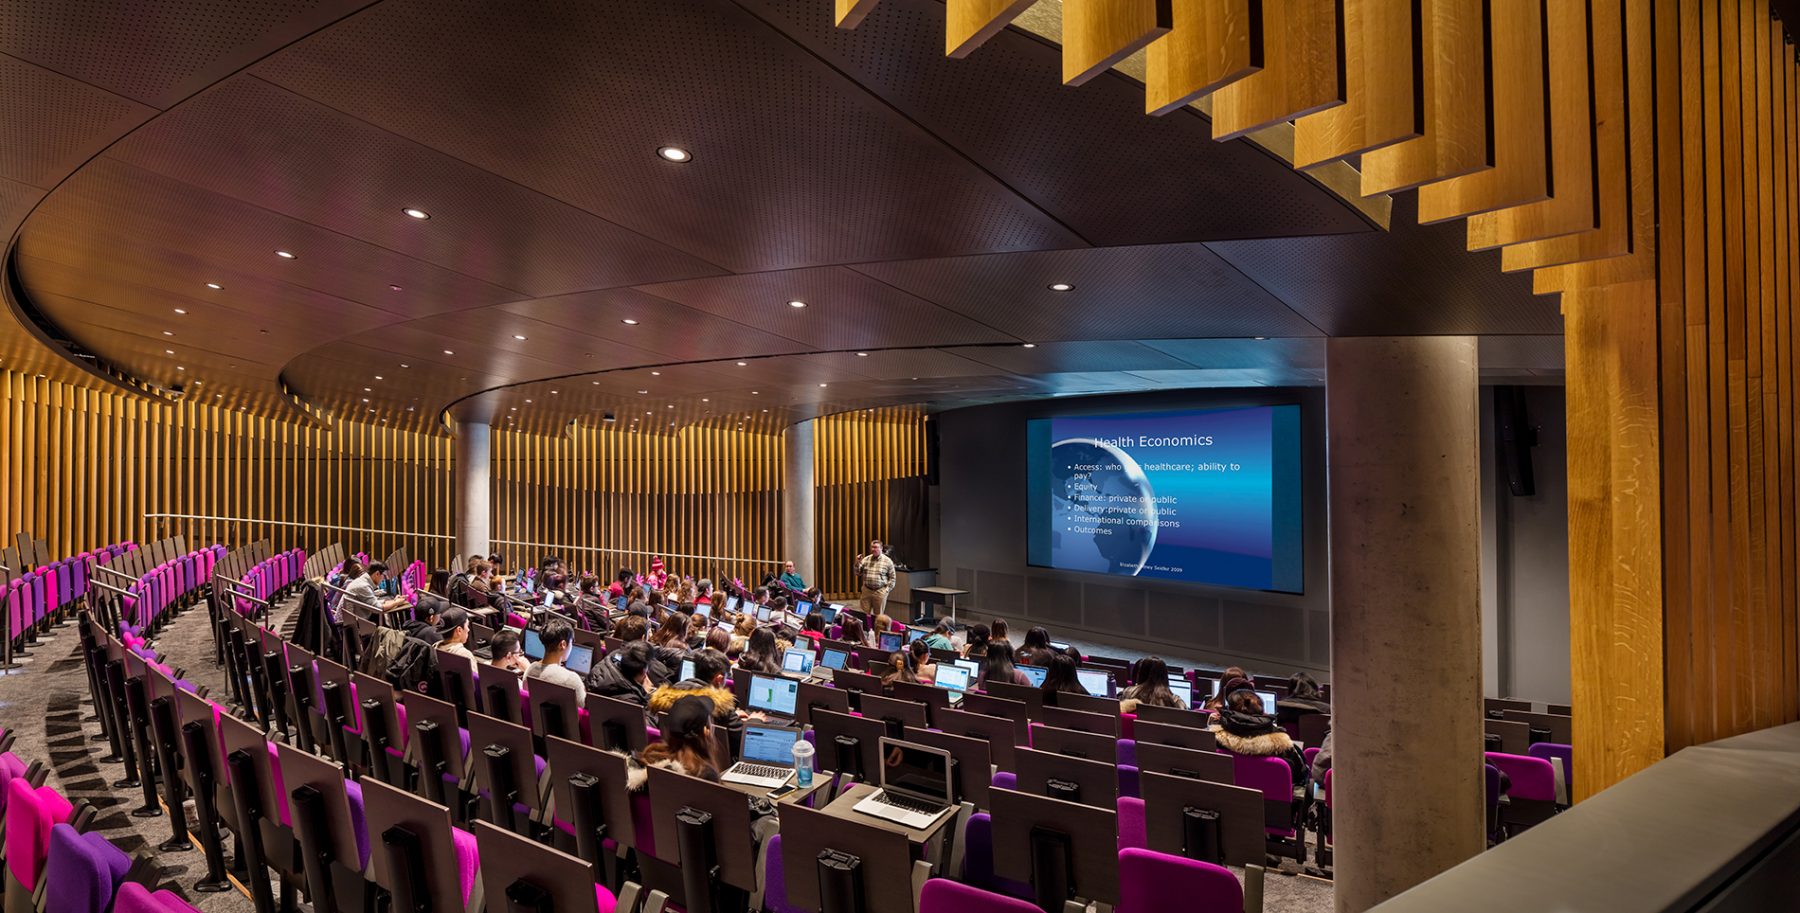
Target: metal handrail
237, 595
357, 600
635, 552
107, 586
115, 572
353, 529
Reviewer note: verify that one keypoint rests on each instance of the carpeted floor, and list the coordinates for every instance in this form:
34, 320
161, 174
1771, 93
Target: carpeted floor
45, 702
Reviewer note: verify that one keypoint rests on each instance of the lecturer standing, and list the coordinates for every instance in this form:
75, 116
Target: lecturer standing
875, 570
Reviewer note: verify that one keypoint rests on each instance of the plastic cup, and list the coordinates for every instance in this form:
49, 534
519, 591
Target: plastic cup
803, 762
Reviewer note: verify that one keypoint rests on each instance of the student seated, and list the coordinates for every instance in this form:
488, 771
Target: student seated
762, 653
556, 637
901, 660
710, 681
424, 623
506, 652
997, 665
365, 588
623, 674
436, 592
813, 627
1233, 677
1060, 676
975, 647
1303, 698
939, 638
687, 742
1150, 686
671, 640
852, 631
453, 628
1242, 728
918, 659
1037, 650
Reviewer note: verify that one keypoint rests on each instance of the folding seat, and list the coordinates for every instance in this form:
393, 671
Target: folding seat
135, 898
1532, 796
1562, 761
1129, 775
1133, 827
82, 872
78, 574
941, 895
1281, 817
1152, 882
978, 857
30, 814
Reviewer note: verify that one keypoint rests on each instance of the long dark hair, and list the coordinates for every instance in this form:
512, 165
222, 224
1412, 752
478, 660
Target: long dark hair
903, 669
1151, 684
688, 742
673, 632
761, 654
852, 631
1061, 676
998, 665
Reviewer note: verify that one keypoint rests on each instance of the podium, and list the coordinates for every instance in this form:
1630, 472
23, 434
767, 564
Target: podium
905, 582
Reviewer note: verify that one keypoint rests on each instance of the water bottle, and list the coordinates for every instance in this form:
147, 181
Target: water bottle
803, 763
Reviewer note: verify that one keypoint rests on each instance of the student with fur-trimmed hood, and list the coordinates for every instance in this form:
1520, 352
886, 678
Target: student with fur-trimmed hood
687, 742
710, 681
1242, 728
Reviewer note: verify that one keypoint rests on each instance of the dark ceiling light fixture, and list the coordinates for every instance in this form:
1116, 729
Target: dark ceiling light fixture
674, 154
416, 213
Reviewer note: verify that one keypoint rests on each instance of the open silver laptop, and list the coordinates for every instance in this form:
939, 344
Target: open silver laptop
767, 759
915, 785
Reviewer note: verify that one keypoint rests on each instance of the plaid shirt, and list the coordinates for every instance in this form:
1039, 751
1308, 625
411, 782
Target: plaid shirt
877, 571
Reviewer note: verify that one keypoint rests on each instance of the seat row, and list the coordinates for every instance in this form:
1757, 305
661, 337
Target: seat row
42, 598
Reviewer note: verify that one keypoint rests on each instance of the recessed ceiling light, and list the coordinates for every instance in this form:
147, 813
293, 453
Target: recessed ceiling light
214, 286
648, 412
862, 355
416, 213
705, 400
168, 351
675, 154
448, 352
405, 365
596, 383
643, 391
168, 332
286, 255
796, 304
742, 363
180, 368
655, 373
1060, 286
365, 399
519, 336
1259, 338
554, 392
393, 288
528, 402
368, 390
821, 385
628, 322
671, 405
740, 426
378, 377
755, 392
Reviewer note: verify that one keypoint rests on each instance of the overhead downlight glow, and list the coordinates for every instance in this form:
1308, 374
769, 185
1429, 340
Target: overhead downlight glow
286, 255
519, 336
862, 355
448, 352
796, 304
628, 322
1060, 286
214, 286
742, 363
181, 310
1030, 345
675, 154
416, 213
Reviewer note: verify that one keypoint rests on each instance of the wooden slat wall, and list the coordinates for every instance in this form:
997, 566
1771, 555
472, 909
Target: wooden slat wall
84, 467
605, 499
1644, 164
856, 458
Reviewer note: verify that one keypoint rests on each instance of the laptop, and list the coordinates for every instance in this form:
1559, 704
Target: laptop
803, 608
1268, 701
1034, 674
579, 660
973, 666
534, 645
767, 760
1183, 689
762, 613
797, 661
829, 612
915, 785
954, 679
913, 634
1097, 682
687, 671
732, 604
834, 659
703, 610
890, 642
773, 694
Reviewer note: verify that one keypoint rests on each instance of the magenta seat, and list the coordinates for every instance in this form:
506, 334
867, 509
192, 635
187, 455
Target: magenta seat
941, 895
1532, 778
135, 898
1151, 882
1133, 827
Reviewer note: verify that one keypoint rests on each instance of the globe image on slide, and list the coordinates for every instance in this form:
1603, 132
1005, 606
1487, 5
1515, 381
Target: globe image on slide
1102, 511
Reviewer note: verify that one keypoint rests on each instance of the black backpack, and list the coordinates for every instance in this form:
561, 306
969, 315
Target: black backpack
415, 668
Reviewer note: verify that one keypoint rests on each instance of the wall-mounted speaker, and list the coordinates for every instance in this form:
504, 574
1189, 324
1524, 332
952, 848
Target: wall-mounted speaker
1514, 437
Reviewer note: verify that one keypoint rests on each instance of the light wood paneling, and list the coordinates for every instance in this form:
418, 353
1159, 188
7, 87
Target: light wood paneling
1301, 73
1453, 125
851, 13
1212, 43
1383, 50
1100, 33
860, 461
970, 23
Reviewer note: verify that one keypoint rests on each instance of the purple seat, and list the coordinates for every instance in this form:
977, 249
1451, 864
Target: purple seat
1151, 882
135, 898
1532, 778
941, 895
775, 880
1133, 828
1005, 779
978, 859
82, 872
468, 860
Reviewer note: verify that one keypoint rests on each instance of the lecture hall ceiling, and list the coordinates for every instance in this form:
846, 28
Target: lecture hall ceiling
922, 215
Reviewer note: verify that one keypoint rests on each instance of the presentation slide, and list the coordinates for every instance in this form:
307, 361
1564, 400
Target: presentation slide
1208, 496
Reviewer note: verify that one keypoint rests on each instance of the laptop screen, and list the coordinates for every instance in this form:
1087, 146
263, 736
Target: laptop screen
1183, 690
973, 668
952, 678
1097, 681
703, 610
1034, 675
913, 634
915, 771
774, 694
534, 645
687, 670
769, 744
829, 613
1059, 646
1268, 699
762, 613
797, 661
732, 604
803, 608
890, 642
835, 659
580, 659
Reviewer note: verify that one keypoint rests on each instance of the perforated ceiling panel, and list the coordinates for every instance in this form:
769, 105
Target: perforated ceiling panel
672, 331
156, 51
1116, 293
55, 123
1097, 163
1411, 280
15, 201
792, 165
258, 143
844, 309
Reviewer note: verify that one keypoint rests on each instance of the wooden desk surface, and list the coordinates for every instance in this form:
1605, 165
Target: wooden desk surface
845, 807
800, 794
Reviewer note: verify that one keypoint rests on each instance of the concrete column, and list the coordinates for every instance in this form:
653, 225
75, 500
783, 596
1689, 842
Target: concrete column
799, 507
473, 465
1404, 483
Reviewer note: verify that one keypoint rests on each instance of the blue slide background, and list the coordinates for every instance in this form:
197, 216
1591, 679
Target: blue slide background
1237, 528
